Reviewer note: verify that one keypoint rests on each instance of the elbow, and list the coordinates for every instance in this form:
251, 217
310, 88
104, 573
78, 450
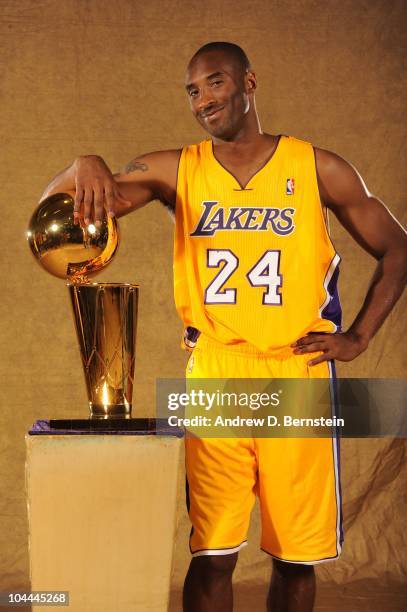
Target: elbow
395, 260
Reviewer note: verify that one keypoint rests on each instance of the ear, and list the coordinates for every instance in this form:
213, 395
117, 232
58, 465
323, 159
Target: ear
250, 81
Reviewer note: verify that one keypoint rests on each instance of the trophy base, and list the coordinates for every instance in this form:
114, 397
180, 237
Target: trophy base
117, 411
135, 427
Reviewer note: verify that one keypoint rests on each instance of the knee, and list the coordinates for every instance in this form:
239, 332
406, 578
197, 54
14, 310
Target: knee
292, 570
216, 564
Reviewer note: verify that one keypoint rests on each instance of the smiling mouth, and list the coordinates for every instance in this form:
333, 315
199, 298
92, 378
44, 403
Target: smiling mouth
212, 115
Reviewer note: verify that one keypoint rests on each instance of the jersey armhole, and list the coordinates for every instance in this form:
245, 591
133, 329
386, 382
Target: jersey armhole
323, 209
177, 184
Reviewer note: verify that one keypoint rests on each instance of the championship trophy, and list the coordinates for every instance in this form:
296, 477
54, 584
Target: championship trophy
105, 314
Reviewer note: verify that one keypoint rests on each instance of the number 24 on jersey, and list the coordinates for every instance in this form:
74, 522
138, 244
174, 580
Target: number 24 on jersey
264, 273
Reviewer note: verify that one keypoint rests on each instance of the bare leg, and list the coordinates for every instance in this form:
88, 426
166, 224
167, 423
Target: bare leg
292, 588
208, 584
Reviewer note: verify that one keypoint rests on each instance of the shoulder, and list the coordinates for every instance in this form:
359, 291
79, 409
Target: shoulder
338, 179
329, 162
326, 161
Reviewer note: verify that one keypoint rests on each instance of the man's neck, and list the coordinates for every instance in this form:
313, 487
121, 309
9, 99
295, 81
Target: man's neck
246, 146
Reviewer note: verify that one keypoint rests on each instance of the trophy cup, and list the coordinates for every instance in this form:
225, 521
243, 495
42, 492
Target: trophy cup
105, 314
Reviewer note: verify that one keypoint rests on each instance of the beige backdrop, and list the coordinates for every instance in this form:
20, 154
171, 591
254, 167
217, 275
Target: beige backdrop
83, 76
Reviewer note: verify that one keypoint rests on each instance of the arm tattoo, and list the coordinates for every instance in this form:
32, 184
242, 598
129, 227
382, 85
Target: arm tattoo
135, 165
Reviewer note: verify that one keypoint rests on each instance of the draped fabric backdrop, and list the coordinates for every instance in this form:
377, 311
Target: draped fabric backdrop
84, 76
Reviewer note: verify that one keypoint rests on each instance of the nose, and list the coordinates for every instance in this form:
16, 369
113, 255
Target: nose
205, 100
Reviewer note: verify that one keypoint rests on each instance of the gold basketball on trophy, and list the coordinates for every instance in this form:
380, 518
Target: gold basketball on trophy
67, 250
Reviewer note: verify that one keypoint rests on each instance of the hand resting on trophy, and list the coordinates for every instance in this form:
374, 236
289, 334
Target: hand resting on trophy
105, 314
96, 191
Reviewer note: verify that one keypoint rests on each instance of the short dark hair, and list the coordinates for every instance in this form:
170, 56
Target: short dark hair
231, 49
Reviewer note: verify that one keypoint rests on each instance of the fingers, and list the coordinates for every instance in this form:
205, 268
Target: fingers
330, 346
314, 343
98, 201
89, 202
87, 205
110, 197
77, 204
96, 188
320, 359
312, 337
310, 348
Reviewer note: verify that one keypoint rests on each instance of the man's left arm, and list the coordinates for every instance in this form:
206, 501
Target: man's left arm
371, 224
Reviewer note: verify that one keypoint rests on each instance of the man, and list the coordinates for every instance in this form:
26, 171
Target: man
255, 275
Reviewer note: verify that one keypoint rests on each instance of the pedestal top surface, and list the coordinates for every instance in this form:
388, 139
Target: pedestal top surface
127, 427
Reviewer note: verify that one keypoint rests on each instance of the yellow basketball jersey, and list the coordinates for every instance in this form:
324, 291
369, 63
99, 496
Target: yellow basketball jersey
256, 264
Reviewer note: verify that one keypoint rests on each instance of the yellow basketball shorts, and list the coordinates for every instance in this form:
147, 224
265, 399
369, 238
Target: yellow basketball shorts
296, 479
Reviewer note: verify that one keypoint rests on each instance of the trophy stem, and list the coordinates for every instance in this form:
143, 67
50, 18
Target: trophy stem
105, 316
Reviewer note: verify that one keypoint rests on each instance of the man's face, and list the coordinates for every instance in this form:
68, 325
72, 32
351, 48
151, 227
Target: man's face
216, 87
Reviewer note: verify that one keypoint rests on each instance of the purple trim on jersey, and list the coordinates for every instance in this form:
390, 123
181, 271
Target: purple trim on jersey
335, 409
333, 311
191, 335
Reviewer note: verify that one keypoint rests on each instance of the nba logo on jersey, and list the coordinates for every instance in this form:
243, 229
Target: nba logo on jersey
289, 189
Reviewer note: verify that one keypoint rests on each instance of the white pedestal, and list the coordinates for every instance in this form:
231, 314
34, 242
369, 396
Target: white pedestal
102, 519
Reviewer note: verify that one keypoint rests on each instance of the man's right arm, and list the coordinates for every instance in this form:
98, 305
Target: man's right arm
148, 177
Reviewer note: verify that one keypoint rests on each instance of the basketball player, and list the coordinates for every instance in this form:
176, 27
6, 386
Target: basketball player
255, 285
